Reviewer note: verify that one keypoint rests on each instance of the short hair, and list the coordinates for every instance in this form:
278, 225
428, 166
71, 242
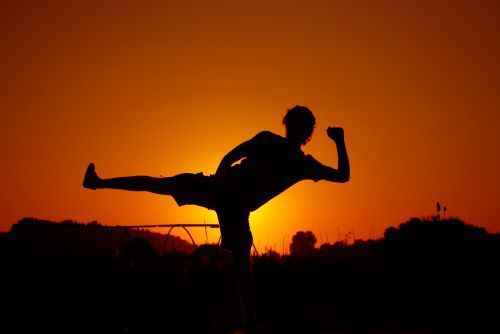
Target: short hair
299, 122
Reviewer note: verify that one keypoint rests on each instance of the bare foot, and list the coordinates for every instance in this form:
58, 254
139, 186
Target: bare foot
90, 179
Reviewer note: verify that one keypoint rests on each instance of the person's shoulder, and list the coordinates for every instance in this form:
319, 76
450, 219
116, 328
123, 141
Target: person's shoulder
311, 160
268, 136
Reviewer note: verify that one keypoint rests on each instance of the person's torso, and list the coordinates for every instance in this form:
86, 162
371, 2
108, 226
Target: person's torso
271, 166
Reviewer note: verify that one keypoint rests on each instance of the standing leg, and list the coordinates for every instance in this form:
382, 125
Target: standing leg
237, 238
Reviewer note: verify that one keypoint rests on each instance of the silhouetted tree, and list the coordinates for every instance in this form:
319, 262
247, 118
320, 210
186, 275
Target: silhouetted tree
303, 243
391, 233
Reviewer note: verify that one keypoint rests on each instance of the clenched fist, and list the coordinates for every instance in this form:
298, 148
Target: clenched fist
335, 133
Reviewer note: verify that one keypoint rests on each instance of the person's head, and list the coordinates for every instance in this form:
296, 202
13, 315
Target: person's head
299, 122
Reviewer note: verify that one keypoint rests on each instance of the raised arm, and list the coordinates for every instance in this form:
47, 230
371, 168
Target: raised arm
343, 172
233, 156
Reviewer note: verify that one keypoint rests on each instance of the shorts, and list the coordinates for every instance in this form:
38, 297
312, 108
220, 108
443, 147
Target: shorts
214, 192
195, 189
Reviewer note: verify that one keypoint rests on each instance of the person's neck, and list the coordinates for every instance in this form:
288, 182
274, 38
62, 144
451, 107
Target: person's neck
295, 143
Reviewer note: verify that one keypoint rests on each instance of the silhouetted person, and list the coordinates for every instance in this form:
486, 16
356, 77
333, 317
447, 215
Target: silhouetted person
269, 165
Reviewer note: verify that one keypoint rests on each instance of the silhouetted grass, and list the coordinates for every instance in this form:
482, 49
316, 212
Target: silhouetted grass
424, 275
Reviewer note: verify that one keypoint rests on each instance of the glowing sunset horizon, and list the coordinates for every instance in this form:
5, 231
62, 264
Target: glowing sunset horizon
162, 88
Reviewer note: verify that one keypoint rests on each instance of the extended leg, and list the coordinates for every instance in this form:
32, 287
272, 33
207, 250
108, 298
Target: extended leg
163, 186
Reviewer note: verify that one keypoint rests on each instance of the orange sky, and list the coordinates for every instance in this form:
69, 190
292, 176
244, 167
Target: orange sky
164, 87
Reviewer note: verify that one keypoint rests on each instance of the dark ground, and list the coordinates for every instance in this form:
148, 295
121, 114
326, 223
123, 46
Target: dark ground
421, 278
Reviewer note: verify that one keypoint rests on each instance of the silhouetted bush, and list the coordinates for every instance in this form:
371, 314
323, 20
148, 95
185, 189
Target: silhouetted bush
303, 244
423, 275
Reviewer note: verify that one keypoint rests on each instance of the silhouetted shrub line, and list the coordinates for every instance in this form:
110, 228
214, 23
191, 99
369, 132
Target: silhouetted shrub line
422, 275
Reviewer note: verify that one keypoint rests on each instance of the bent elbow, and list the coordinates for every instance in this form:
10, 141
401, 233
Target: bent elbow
338, 176
345, 178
